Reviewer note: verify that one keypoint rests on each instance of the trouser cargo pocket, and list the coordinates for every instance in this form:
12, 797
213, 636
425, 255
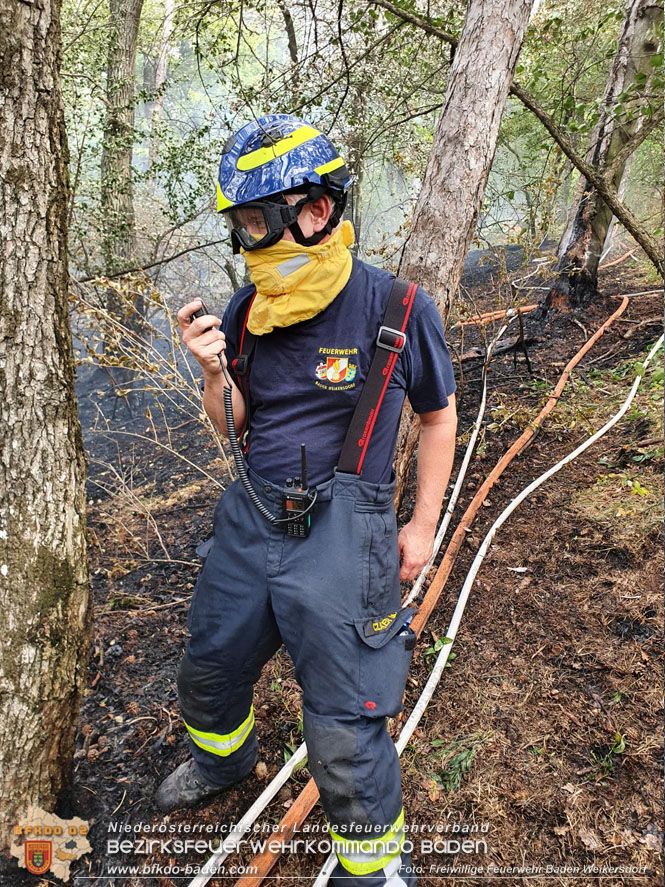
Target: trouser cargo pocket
387, 646
203, 551
381, 557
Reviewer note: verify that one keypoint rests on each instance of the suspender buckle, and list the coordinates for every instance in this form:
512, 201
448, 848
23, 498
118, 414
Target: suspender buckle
390, 339
240, 364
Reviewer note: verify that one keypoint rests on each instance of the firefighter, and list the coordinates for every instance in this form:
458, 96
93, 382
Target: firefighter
316, 317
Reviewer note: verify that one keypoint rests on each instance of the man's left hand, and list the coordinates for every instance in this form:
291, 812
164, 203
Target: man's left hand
416, 544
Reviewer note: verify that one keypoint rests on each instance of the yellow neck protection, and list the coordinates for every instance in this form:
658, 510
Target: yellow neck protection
294, 282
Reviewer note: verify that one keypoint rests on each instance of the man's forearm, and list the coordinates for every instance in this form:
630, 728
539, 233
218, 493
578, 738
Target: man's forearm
436, 452
213, 403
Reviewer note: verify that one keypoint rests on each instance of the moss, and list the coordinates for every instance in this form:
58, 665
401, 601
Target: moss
57, 580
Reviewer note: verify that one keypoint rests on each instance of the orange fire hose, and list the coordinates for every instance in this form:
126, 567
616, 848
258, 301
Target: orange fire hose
618, 261
491, 315
303, 804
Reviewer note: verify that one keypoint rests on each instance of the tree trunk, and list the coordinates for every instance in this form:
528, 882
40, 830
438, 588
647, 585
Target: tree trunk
292, 39
608, 243
357, 169
355, 161
155, 107
465, 140
116, 189
582, 243
119, 235
44, 598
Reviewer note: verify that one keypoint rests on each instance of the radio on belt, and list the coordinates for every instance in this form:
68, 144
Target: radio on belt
297, 498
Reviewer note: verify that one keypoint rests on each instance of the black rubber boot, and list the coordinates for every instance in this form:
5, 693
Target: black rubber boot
185, 787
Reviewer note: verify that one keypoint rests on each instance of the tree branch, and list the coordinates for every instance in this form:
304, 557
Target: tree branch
189, 249
417, 20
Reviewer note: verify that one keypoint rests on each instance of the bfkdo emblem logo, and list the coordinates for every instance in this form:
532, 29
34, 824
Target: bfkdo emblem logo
38, 856
42, 842
336, 369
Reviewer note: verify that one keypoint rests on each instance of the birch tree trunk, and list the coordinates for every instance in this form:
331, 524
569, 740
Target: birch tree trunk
617, 130
44, 600
119, 235
465, 140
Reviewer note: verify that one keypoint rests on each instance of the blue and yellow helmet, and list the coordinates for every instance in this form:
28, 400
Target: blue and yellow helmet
269, 157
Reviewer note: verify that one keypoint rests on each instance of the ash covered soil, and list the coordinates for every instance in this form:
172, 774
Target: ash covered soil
546, 729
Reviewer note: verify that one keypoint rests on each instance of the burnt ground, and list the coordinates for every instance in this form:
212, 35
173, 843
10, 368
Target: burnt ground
546, 729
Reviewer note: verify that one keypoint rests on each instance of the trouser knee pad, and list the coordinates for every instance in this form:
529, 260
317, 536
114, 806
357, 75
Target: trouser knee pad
348, 762
219, 719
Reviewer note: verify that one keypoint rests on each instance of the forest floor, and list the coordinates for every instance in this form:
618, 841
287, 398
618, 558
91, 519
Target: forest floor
542, 745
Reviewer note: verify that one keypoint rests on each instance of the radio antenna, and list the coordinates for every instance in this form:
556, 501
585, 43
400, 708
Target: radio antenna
303, 465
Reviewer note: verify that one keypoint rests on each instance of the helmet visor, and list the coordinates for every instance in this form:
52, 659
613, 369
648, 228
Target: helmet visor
259, 224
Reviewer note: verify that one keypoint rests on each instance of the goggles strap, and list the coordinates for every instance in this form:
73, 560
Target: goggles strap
274, 234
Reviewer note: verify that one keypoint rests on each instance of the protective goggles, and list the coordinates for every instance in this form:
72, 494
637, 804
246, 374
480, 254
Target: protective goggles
261, 223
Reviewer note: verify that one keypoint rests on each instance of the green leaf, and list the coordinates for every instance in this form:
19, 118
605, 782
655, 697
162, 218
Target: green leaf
300, 765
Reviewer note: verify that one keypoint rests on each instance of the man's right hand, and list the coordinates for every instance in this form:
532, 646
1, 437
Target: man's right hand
205, 346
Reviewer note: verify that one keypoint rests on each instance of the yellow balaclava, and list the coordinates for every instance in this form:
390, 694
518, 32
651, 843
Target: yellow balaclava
294, 282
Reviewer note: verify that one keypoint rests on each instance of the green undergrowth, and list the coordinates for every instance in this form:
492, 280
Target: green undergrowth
589, 399
626, 494
453, 760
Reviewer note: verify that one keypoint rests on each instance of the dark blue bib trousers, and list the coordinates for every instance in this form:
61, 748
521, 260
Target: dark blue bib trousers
334, 600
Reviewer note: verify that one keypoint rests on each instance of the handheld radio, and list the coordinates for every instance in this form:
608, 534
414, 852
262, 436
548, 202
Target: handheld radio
296, 501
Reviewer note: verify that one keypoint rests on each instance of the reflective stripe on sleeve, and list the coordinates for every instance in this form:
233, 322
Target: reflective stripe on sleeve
361, 856
223, 744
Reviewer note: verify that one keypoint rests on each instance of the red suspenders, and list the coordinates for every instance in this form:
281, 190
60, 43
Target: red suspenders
390, 342
240, 366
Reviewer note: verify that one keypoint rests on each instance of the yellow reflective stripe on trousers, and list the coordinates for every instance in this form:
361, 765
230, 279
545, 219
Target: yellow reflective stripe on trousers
265, 155
361, 856
223, 744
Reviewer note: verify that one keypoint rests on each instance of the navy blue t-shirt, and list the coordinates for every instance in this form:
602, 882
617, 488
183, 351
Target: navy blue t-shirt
305, 379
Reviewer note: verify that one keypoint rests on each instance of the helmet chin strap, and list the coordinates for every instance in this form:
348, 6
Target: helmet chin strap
329, 227
300, 238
